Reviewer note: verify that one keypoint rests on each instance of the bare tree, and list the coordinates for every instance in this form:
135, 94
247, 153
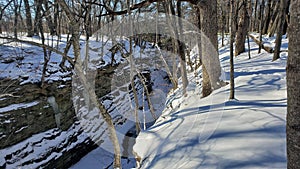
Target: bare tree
132, 71
211, 73
2, 11
261, 14
171, 25
48, 15
198, 61
274, 18
254, 21
16, 12
232, 35
38, 15
182, 51
78, 67
283, 5
267, 17
28, 19
242, 31
293, 90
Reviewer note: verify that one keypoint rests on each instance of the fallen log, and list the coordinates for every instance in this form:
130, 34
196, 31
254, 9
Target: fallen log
269, 49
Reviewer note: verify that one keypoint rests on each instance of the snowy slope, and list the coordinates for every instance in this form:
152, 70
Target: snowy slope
215, 132
24, 62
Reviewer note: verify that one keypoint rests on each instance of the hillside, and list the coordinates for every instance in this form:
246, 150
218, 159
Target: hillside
214, 132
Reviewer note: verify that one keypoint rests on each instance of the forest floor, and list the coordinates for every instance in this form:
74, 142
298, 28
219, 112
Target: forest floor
215, 132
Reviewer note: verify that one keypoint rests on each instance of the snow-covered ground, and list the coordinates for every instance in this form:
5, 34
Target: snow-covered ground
214, 132
24, 62
192, 132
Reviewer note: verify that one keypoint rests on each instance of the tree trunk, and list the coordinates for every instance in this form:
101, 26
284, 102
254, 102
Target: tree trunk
274, 18
174, 83
16, 6
210, 56
293, 90
242, 30
223, 23
49, 19
249, 49
182, 52
168, 7
206, 85
38, 16
46, 57
28, 19
281, 16
286, 16
274, 26
56, 17
261, 14
132, 71
232, 34
227, 16
198, 61
268, 18
146, 91
254, 23
78, 67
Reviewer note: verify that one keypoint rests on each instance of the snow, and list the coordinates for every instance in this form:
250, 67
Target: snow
38, 146
214, 132
120, 108
191, 132
26, 61
18, 106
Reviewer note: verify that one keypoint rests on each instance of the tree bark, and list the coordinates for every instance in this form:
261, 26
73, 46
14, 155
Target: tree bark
46, 57
286, 16
16, 6
232, 34
198, 61
182, 52
274, 26
242, 30
268, 17
38, 16
249, 49
56, 17
261, 14
293, 90
280, 27
254, 23
210, 56
206, 85
28, 19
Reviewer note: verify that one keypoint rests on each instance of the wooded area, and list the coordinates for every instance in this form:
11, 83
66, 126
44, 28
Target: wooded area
238, 19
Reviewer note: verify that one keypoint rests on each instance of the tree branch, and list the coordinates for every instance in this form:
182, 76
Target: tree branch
146, 3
